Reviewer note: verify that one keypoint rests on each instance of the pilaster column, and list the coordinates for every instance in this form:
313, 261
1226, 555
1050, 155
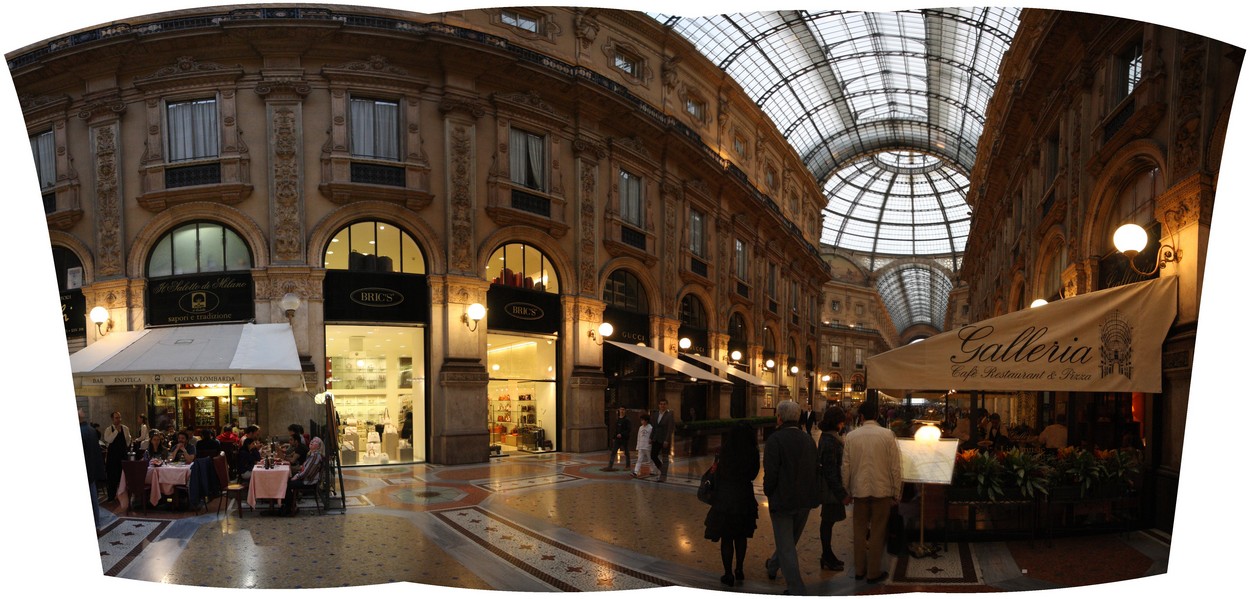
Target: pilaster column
583, 409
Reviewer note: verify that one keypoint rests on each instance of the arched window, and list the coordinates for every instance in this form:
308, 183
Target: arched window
770, 344
737, 332
624, 292
524, 266
201, 247
68, 268
1052, 284
374, 246
1135, 204
692, 312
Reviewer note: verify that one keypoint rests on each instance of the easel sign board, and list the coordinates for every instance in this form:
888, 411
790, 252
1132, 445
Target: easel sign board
930, 462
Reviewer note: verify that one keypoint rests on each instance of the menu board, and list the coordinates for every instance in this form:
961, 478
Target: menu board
928, 461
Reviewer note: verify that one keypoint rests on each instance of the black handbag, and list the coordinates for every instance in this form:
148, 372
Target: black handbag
707, 484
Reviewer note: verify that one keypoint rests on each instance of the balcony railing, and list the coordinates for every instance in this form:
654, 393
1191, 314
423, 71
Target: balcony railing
377, 174
187, 176
531, 203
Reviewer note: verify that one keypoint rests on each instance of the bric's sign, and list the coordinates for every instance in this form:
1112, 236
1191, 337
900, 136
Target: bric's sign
377, 297
524, 311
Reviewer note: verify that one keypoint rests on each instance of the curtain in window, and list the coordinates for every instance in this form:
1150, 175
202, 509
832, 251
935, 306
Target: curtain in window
42, 147
696, 233
535, 151
525, 159
193, 130
374, 129
631, 199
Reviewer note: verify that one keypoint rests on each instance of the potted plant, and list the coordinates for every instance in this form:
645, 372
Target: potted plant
980, 470
1117, 468
1078, 468
1029, 471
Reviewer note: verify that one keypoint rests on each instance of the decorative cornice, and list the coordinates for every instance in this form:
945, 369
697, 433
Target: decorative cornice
465, 104
186, 68
101, 108
283, 88
376, 64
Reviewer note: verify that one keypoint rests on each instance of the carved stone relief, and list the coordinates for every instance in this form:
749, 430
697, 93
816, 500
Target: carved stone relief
109, 231
461, 200
288, 233
1187, 136
587, 250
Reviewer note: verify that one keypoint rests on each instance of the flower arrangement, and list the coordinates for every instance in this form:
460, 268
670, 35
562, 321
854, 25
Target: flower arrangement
1118, 468
981, 469
1079, 468
1030, 471
994, 473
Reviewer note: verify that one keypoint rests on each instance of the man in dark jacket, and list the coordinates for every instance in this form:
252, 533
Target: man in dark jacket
94, 459
790, 482
620, 440
662, 431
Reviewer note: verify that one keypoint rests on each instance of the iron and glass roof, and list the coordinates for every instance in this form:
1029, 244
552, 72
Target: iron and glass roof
885, 109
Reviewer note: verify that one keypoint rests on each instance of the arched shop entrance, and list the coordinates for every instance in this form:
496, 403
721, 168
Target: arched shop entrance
377, 308
522, 354
629, 375
695, 398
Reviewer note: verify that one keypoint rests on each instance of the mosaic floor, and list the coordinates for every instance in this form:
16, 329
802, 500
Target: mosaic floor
554, 522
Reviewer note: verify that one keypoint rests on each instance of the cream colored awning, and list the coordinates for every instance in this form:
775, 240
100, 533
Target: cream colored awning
731, 371
1108, 340
251, 355
668, 361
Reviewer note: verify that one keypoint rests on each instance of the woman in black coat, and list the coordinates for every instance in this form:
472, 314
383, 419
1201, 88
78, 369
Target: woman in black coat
832, 510
731, 519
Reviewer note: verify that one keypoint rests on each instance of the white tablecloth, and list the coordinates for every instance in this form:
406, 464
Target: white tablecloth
268, 484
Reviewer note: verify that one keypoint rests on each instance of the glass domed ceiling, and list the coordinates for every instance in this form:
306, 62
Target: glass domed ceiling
885, 109
897, 203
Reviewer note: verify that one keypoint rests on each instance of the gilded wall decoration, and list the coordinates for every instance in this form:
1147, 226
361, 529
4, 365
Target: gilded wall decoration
109, 227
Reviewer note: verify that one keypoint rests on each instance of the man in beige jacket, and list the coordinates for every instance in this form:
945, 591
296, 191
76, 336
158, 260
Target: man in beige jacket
873, 474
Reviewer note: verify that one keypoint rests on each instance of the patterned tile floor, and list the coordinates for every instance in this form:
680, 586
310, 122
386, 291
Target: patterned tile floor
556, 522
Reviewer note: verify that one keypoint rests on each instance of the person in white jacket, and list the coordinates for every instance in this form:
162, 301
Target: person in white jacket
644, 444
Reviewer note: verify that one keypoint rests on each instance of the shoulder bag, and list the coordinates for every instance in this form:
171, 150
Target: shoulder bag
707, 484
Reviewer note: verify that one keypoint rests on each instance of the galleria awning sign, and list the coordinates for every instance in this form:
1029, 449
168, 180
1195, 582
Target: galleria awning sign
1108, 340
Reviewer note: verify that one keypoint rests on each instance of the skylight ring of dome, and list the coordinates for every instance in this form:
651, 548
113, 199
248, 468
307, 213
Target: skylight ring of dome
892, 161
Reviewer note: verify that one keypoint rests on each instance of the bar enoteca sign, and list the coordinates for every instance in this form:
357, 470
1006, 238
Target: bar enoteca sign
199, 299
1109, 340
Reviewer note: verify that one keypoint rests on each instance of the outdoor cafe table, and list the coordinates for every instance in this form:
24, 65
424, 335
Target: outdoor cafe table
268, 483
162, 478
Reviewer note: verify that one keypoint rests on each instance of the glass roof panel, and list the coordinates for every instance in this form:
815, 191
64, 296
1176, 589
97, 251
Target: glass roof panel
886, 110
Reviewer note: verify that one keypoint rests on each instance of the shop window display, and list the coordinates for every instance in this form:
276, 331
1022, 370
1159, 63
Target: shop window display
376, 384
521, 395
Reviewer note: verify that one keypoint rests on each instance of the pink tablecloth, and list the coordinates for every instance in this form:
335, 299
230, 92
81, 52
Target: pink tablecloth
268, 484
162, 479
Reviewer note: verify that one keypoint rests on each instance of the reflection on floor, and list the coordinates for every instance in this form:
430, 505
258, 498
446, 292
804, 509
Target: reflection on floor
555, 522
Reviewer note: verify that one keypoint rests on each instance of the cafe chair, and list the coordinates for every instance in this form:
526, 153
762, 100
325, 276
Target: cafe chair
315, 491
228, 488
137, 486
201, 485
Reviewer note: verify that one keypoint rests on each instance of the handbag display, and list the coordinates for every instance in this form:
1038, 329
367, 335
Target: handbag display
707, 484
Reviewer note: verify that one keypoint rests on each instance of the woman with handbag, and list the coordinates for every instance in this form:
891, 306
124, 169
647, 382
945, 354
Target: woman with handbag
832, 510
731, 519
